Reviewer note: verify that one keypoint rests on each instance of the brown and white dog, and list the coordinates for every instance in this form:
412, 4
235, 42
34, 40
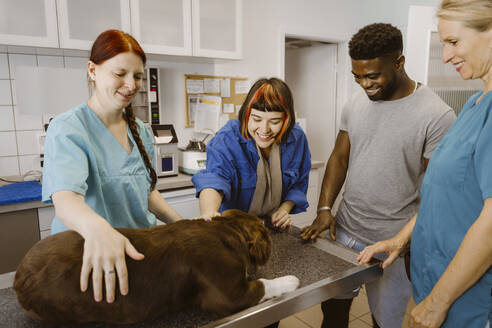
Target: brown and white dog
189, 263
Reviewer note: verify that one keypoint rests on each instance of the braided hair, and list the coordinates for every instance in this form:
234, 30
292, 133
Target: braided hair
132, 124
107, 45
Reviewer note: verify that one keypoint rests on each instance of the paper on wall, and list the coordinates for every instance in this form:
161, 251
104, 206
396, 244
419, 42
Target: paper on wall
238, 108
208, 111
241, 86
194, 86
211, 85
225, 88
228, 108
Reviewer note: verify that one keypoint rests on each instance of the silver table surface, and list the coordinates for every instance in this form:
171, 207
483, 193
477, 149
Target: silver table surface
324, 268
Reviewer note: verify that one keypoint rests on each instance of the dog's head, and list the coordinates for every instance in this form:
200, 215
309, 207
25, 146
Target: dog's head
255, 233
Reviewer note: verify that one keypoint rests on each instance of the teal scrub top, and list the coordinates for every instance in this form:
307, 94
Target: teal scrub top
456, 183
81, 155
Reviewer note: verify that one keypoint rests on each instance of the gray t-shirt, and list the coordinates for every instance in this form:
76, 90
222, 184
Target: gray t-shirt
388, 143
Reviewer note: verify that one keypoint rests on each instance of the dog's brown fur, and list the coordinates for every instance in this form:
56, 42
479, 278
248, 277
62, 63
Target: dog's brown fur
190, 263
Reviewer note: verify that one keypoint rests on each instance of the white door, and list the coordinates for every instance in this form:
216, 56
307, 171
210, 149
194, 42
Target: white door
80, 22
217, 28
311, 73
28, 23
162, 26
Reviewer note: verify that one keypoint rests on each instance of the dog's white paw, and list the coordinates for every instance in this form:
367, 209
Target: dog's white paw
278, 286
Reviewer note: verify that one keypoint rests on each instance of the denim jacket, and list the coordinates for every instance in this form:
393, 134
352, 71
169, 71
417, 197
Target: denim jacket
232, 162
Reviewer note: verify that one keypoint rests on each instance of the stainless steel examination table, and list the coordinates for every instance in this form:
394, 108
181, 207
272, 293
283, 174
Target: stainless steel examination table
324, 268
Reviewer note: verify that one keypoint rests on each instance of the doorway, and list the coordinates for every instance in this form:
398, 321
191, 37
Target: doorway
310, 72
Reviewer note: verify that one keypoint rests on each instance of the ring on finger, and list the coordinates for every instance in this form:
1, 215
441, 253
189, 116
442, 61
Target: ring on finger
109, 271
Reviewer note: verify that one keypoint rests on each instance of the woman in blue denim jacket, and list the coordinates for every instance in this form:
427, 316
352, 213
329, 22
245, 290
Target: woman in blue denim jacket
260, 162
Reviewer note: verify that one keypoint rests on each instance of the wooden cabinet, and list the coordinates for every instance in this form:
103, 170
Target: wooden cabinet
28, 23
80, 22
19, 231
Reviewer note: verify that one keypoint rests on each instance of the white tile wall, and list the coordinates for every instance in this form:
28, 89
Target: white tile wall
9, 165
21, 60
4, 66
27, 121
51, 61
6, 118
29, 163
27, 142
76, 62
18, 131
8, 144
5, 94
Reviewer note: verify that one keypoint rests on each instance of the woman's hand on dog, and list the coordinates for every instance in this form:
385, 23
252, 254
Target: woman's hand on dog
104, 255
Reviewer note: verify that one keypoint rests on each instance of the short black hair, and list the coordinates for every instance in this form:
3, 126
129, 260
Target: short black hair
375, 40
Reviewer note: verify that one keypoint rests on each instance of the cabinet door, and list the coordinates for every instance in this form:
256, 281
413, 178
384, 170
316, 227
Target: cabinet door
184, 202
80, 22
19, 231
28, 23
217, 28
162, 26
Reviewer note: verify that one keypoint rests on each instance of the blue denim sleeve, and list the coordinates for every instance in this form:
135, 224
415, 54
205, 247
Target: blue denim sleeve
218, 174
297, 192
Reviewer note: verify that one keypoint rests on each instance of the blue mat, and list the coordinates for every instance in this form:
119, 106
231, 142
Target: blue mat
20, 192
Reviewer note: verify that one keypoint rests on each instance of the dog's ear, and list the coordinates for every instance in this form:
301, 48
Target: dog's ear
260, 247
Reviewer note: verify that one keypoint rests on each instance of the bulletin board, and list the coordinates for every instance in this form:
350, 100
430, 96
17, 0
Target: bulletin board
236, 96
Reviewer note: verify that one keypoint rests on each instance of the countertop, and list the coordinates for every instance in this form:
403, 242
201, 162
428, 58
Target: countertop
290, 256
163, 184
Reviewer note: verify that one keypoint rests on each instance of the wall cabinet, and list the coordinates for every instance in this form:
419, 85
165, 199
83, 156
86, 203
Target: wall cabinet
80, 22
205, 28
28, 23
217, 28
162, 26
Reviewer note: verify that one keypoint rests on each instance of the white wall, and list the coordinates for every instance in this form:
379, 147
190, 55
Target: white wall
311, 74
263, 20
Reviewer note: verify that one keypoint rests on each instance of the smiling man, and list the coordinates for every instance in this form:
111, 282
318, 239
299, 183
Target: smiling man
387, 134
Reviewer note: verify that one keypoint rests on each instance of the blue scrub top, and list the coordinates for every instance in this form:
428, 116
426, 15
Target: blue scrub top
231, 168
456, 183
81, 155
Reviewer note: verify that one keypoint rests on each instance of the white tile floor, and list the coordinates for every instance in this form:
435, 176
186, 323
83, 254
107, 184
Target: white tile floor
360, 316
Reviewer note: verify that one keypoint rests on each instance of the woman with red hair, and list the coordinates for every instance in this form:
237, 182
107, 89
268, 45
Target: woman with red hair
260, 162
98, 166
